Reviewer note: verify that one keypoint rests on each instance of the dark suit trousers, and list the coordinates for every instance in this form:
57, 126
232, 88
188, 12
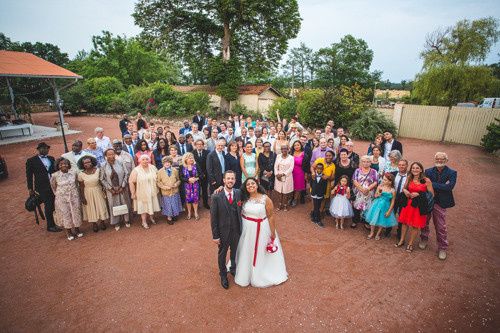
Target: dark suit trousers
48, 207
230, 243
204, 190
316, 209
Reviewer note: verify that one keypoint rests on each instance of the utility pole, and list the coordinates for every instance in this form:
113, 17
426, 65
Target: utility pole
374, 89
293, 78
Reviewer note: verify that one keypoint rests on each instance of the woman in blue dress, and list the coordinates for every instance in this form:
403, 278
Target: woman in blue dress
248, 162
381, 214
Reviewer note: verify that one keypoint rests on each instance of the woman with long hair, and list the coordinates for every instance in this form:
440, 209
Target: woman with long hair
299, 177
280, 141
414, 189
232, 160
160, 152
260, 258
142, 148
376, 142
191, 182
266, 168
248, 162
171, 139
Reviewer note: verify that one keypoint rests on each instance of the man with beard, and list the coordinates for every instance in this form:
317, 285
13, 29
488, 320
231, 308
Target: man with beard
443, 180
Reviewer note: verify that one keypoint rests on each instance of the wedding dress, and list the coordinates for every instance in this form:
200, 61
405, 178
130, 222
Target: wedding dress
254, 265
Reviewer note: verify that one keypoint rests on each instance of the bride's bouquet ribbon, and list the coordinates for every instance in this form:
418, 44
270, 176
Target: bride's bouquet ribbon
258, 221
271, 246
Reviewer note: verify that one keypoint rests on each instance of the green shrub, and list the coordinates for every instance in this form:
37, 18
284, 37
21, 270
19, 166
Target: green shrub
196, 101
310, 108
138, 96
75, 98
104, 86
369, 123
287, 108
491, 140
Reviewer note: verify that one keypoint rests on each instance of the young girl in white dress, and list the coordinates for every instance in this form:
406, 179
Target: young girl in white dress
340, 206
259, 257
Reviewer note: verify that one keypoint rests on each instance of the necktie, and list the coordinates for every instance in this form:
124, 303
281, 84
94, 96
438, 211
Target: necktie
400, 183
230, 199
199, 154
182, 149
130, 150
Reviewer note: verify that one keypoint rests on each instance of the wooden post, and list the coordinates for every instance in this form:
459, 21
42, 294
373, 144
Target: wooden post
446, 124
12, 98
53, 83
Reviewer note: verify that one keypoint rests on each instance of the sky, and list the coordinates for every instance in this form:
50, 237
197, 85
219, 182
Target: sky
394, 29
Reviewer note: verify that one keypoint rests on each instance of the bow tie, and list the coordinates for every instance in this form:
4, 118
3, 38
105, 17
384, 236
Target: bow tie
43, 156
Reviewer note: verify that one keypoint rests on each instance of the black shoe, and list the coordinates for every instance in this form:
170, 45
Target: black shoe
95, 227
302, 200
54, 229
207, 206
224, 282
320, 224
174, 218
233, 273
327, 213
170, 222
103, 226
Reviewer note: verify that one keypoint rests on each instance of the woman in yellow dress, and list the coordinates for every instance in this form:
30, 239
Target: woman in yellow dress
94, 205
144, 191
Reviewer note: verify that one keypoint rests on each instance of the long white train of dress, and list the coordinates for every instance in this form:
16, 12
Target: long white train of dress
269, 268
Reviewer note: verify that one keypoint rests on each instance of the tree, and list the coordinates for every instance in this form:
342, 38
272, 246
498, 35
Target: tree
127, 60
254, 32
451, 84
300, 65
465, 43
347, 62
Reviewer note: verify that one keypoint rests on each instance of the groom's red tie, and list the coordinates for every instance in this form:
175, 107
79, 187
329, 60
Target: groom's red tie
230, 199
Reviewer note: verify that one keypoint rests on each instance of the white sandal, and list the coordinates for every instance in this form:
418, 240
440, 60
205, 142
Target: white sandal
70, 238
117, 227
145, 225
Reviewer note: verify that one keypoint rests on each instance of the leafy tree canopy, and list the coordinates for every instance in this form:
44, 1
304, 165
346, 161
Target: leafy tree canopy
253, 31
465, 43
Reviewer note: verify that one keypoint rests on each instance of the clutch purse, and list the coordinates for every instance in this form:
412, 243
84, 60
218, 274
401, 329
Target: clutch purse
271, 246
120, 210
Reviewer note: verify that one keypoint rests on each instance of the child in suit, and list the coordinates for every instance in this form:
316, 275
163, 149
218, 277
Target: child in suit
318, 184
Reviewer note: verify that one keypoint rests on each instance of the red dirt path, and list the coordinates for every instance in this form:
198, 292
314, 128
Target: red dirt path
166, 278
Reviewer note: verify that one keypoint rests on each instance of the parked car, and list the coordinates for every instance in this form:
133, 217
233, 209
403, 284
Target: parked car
490, 102
4, 173
466, 105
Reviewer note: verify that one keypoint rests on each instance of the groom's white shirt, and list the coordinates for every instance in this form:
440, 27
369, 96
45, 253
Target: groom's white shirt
227, 193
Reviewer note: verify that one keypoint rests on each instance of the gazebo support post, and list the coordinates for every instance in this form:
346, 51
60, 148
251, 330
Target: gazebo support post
12, 98
53, 83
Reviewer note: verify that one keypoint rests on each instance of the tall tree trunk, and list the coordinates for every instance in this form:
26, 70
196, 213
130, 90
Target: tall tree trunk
226, 56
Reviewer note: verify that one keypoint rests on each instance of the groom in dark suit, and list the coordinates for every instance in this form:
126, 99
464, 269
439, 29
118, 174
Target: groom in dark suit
38, 171
225, 216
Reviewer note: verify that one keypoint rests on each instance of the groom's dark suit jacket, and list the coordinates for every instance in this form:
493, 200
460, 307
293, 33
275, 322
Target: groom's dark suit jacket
225, 217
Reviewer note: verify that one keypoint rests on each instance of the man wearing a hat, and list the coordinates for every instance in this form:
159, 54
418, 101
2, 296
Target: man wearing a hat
123, 156
38, 172
128, 145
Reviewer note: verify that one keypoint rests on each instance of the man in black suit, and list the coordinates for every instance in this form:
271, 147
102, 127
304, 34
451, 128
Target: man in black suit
128, 145
124, 124
200, 157
390, 144
199, 120
225, 217
216, 166
38, 171
182, 146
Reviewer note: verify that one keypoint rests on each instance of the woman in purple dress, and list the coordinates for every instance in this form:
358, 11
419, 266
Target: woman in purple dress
190, 179
299, 180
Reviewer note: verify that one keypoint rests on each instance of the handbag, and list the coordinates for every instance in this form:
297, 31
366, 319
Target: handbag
120, 210
32, 204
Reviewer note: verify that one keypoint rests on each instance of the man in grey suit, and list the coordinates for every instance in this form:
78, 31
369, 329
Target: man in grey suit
225, 217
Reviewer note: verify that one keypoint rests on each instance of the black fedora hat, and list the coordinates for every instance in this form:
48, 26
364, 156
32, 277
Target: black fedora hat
42, 145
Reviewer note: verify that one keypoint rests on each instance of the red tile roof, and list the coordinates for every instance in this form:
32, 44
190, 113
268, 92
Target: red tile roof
242, 90
22, 64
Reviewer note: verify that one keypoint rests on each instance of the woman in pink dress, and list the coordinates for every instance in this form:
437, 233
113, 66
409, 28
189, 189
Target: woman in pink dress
299, 180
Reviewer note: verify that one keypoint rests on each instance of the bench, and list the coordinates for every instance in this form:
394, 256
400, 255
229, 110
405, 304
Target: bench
15, 130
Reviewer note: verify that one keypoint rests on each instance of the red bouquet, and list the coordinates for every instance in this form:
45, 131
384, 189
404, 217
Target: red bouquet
271, 246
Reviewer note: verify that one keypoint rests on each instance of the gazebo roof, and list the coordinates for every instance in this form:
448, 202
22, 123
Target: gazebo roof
22, 64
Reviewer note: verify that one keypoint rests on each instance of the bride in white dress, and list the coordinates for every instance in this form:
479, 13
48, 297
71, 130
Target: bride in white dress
254, 264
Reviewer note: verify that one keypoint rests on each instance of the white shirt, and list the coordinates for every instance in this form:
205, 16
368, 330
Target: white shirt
252, 139
198, 136
387, 149
103, 143
402, 178
227, 194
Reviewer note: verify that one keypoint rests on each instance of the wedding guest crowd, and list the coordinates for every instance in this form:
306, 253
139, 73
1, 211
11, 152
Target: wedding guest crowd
150, 169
